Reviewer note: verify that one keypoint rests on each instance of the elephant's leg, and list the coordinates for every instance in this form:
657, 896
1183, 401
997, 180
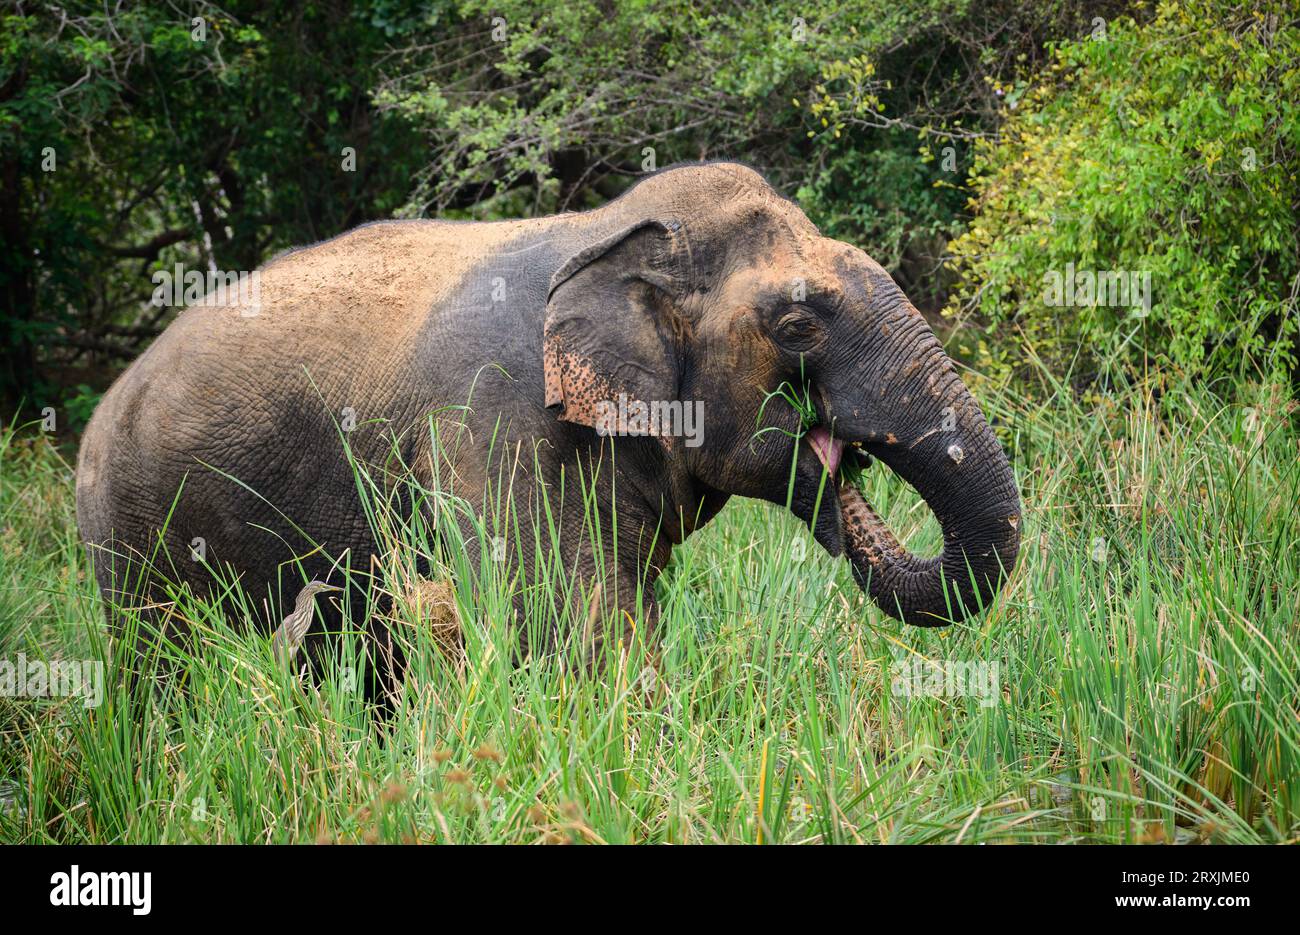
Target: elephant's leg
139, 613
378, 671
620, 634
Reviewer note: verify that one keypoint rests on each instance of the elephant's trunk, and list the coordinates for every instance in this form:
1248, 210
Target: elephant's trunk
946, 450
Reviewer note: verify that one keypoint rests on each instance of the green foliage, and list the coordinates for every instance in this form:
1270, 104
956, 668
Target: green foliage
1171, 148
529, 110
553, 97
893, 201
131, 139
79, 405
223, 144
1145, 691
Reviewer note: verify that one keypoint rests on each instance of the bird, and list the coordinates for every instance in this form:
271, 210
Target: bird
287, 639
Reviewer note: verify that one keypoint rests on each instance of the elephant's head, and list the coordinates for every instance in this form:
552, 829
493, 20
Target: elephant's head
716, 290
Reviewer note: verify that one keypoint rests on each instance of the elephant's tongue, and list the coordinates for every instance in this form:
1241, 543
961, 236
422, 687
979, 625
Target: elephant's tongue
867, 539
827, 449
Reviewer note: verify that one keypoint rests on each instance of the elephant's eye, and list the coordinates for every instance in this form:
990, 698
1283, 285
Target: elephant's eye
798, 330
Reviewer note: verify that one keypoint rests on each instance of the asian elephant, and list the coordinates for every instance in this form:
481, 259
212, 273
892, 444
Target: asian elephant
699, 285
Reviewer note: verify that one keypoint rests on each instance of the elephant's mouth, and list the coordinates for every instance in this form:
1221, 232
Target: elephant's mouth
841, 463
830, 452
981, 538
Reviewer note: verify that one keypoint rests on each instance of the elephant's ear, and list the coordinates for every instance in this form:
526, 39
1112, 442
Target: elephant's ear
612, 326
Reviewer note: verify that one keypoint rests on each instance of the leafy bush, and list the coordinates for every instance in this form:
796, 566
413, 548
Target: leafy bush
530, 109
891, 202
132, 139
1168, 149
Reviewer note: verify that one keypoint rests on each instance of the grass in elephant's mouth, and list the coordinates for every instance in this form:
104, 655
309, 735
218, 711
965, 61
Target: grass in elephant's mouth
1136, 682
852, 467
800, 400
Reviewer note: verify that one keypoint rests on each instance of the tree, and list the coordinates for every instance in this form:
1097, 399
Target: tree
1169, 150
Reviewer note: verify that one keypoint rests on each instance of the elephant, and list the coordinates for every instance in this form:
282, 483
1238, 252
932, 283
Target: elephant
700, 285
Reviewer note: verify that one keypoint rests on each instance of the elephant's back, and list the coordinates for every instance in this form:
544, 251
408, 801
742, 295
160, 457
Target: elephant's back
255, 381
339, 318
383, 272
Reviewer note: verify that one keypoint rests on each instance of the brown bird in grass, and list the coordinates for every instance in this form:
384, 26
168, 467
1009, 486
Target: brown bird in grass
284, 646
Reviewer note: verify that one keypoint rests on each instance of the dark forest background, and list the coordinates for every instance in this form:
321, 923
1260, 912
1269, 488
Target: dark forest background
970, 147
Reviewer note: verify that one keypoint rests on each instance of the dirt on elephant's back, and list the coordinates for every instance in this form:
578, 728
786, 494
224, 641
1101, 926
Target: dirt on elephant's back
393, 264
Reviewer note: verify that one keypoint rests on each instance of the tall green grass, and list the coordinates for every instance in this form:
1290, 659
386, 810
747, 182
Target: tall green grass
1146, 651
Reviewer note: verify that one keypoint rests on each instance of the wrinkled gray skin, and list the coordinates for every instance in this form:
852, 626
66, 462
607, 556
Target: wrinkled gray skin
699, 284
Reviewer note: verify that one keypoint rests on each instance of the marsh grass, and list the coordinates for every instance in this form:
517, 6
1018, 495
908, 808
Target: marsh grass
1146, 653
